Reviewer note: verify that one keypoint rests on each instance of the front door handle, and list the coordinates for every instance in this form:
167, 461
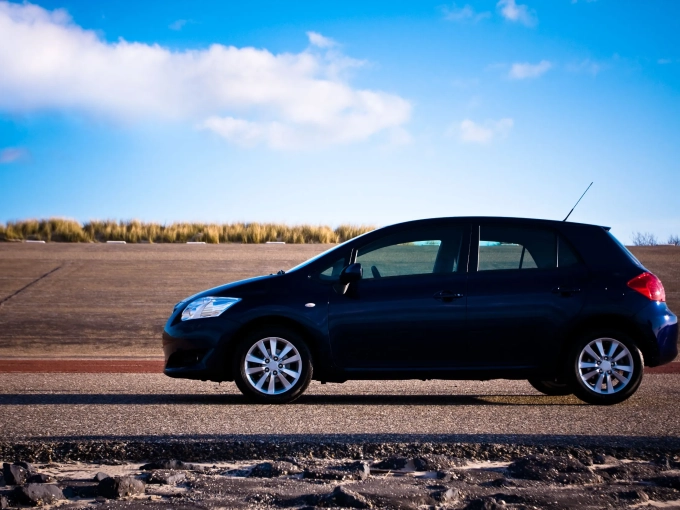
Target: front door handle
565, 291
447, 296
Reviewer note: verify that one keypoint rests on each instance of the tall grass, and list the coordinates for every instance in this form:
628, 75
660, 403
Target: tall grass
134, 231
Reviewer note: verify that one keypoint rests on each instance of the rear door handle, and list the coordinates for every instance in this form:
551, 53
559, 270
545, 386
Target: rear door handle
565, 291
447, 295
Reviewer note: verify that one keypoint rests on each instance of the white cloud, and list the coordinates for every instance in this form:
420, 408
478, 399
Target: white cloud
471, 132
284, 100
177, 25
465, 13
12, 154
316, 39
522, 71
516, 13
664, 61
585, 66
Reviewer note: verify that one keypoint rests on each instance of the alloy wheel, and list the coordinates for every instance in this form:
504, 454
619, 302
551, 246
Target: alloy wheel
605, 366
272, 366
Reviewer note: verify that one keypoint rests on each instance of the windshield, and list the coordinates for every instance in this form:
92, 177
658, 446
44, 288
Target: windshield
323, 254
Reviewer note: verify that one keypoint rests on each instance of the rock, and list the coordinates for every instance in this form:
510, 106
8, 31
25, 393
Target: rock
664, 462
14, 474
237, 472
345, 498
171, 464
120, 486
545, 468
635, 495
486, 503
670, 481
358, 470
437, 462
274, 469
26, 465
631, 471
163, 477
600, 458
40, 478
393, 463
35, 494
446, 496
100, 476
81, 490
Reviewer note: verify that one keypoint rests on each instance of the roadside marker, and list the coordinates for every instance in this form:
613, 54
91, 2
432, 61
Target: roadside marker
33, 241
116, 242
195, 242
275, 242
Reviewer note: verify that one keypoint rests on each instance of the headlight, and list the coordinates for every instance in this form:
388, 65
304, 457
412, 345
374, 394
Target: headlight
207, 307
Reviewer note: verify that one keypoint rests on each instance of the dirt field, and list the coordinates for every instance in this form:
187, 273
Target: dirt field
113, 300
73, 300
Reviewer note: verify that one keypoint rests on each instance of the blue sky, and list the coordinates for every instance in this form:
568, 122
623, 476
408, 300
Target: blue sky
319, 112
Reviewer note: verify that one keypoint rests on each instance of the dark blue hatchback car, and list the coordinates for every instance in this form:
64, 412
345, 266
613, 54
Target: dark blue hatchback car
564, 305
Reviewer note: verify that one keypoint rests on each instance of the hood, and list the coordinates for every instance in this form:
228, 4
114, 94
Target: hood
240, 288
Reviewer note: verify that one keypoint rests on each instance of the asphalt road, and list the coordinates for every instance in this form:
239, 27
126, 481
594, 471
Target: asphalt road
79, 406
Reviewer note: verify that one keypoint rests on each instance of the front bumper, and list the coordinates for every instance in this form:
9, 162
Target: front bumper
199, 349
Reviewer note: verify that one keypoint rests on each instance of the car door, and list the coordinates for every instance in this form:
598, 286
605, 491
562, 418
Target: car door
408, 311
519, 296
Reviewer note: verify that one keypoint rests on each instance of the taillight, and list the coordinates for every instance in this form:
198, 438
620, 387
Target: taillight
649, 286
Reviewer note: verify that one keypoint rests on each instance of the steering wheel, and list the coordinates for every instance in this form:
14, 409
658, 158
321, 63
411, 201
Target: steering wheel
375, 272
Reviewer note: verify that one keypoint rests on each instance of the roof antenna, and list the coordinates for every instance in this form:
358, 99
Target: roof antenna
572, 209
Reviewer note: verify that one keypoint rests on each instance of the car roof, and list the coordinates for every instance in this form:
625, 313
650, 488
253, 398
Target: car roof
492, 219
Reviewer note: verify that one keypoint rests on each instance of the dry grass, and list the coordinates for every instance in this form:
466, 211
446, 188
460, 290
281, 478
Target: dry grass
134, 231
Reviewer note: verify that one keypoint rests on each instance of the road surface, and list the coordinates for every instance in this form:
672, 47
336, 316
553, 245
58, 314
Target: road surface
99, 406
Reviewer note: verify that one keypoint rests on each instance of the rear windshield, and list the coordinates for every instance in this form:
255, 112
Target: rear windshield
625, 250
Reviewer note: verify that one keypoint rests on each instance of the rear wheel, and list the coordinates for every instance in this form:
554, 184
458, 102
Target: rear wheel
552, 388
605, 367
273, 365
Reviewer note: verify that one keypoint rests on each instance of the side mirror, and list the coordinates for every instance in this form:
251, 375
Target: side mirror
351, 273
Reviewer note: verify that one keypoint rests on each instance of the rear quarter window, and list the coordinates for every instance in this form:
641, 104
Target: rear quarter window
625, 250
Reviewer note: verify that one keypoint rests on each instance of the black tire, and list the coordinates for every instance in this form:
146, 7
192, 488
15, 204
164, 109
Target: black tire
624, 366
551, 388
247, 382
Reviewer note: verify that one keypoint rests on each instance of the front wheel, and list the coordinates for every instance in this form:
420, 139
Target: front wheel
273, 366
605, 367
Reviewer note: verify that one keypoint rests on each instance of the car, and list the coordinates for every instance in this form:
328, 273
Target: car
563, 305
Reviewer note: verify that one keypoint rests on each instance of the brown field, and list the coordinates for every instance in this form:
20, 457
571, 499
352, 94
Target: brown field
112, 300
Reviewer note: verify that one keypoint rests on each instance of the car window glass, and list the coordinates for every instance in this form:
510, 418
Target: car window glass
333, 271
503, 248
424, 251
566, 257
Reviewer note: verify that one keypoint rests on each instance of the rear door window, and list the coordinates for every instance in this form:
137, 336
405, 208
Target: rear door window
566, 256
516, 248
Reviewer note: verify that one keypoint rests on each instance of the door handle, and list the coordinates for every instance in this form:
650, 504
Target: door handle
447, 295
565, 291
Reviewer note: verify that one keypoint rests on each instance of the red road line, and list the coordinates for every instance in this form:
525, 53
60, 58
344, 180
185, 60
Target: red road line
81, 366
145, 366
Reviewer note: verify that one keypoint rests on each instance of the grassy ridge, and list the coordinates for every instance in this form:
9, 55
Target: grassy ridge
134, 231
